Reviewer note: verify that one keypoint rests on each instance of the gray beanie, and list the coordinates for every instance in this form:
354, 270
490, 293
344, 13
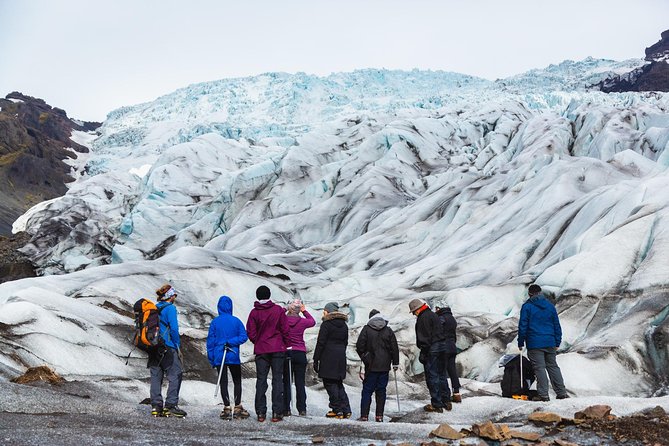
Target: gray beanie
331, 307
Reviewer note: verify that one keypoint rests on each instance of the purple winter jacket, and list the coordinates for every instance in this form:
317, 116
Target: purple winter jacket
296, 327
267, 328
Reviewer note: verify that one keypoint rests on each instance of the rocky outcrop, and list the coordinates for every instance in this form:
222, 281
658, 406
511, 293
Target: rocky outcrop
654, 76
34, 141
13, 264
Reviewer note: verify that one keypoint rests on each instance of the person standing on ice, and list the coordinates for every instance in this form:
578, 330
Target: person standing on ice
226, 334
330, 359
539, 328
377, 347
167, 362
431, 340
449, 324
295, 366
267, 328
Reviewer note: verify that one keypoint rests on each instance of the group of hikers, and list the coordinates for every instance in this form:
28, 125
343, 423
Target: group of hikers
277, 334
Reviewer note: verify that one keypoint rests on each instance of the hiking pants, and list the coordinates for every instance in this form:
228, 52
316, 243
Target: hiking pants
452, 372
544, 360
168, 366
236, 373
437, 376
265, 363
338, 397
298, 368
374, 382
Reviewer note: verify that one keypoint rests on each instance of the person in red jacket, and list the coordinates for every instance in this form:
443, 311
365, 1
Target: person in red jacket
267, 328
295, 366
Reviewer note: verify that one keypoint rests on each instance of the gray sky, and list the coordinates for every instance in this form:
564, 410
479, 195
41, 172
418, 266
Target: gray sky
90, 57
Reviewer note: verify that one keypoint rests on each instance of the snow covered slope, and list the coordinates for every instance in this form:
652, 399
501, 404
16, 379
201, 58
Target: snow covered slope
370, 188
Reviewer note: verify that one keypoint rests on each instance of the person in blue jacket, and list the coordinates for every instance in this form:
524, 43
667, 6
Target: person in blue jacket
539, 328
166, 362
227, 333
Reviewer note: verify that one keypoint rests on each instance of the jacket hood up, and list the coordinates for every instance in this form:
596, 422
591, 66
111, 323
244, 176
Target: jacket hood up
224, 305
540, 301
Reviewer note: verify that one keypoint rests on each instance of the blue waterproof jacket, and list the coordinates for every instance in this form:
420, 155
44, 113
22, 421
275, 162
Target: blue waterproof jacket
539, 325
225, 329
169, 326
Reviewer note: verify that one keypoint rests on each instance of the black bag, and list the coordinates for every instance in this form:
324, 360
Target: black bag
511, 384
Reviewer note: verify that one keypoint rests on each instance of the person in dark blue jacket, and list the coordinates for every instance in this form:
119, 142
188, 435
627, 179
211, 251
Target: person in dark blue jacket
539, 328
167, 362
227, 332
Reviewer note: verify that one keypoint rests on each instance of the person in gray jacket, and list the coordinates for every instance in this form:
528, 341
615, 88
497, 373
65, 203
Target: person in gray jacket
377, 347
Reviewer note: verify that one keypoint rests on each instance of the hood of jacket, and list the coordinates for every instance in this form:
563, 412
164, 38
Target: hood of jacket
377, 322
293, 319
540, 301
263, 305
224, 305
335, 315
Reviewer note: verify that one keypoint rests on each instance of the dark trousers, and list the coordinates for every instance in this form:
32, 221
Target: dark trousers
374, 382
295, 369
161, 366
452, 372
437, 378
236, 373
544, 360
338, 397
265, 363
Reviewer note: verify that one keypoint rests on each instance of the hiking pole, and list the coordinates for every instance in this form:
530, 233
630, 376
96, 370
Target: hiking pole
220, 372
290, 378
522, 383
397, 392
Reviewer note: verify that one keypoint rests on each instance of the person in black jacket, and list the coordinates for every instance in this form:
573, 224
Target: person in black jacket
377, 347
330, 359
431, 340
449, 324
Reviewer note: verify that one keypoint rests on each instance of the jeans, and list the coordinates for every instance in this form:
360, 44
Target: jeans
265, 363
169, 366
374, 382
297, 361
338, 398
452, 372
437, 377
544, 360
236, 372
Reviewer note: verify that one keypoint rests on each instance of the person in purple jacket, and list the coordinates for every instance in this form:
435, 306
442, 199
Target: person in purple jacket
267, 328
296, 356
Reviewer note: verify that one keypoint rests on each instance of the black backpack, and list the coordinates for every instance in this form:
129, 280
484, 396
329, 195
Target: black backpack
511, 385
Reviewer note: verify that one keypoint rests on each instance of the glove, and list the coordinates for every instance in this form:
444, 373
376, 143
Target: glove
423, 356
316, 367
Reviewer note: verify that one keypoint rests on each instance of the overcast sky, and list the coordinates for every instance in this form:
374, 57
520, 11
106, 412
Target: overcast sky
90, 57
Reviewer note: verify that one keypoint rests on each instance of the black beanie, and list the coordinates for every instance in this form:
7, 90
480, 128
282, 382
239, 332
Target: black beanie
263, 293
534, 289
373, 312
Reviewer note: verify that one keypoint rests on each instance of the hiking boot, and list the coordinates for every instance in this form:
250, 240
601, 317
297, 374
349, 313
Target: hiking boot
347, 415
303, 413
174, 411
431, 408
379, 418
340, 416
157, 411
226, 412
261, 418
563, 397
240, 412
331, 414
287, 413
277, 417
456, 398
363, 418
540, 398
448, 406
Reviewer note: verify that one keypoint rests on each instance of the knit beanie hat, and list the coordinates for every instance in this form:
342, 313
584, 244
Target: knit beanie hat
263, 293
373, 313
331, 307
